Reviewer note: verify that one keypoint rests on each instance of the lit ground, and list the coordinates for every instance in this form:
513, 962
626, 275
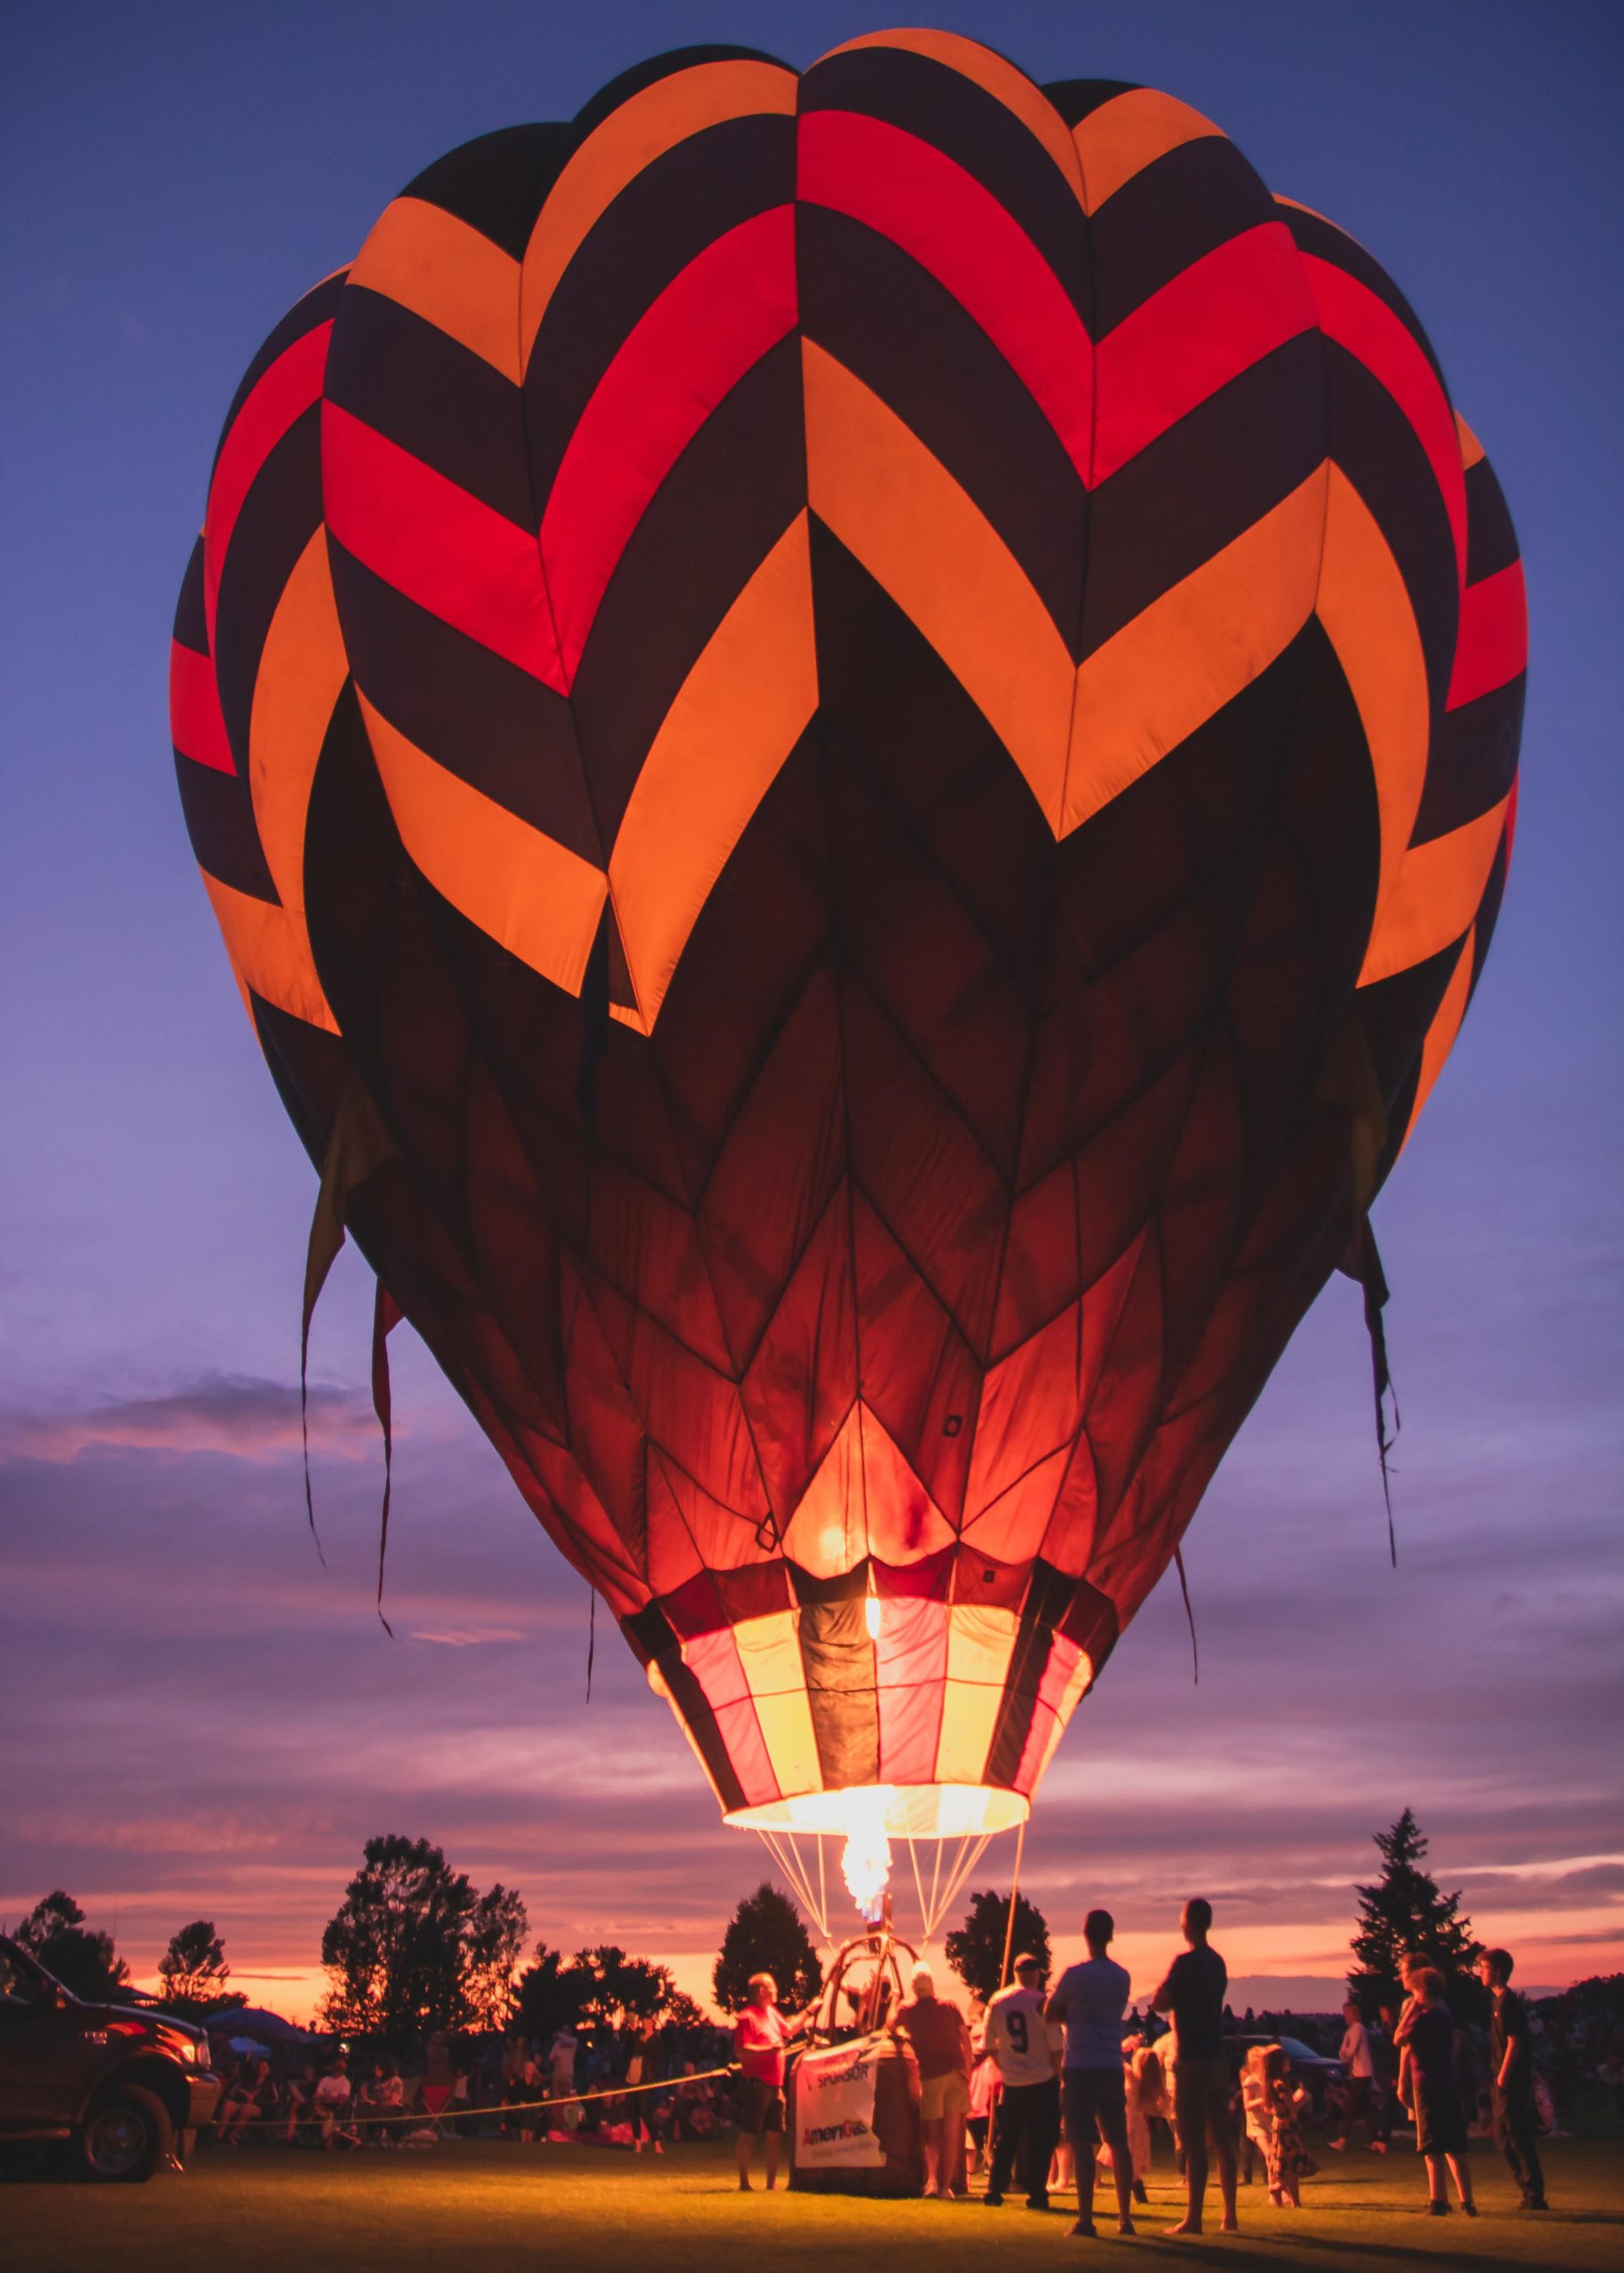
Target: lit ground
471, 2209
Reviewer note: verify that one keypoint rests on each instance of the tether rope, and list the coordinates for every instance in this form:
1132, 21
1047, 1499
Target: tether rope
461, 2111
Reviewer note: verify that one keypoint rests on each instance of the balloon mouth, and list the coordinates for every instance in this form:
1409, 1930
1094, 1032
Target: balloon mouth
867, 1817
895, 1811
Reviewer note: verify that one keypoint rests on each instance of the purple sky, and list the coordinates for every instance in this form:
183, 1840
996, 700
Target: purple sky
197, 1717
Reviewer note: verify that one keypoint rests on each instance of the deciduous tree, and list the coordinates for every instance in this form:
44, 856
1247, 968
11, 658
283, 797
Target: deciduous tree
493, 1941
413, 1947
550, 1993
83, 1960
975, 1949
193, 1972
598, 1988
619, 1989
766, 1934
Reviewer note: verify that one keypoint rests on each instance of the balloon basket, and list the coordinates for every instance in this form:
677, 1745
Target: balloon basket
853, 2095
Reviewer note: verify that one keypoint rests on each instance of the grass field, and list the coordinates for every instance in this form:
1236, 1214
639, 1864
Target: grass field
471, 2207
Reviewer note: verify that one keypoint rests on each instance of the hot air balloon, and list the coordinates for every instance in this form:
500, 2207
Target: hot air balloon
854, 735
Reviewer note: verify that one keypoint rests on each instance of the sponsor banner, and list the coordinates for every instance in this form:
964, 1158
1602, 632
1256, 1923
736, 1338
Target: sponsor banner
834, 2109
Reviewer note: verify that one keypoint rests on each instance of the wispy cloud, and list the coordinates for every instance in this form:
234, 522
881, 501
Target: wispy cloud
469, 1637
236, 1415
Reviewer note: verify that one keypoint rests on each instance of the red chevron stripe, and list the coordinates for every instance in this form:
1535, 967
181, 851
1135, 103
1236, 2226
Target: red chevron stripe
196, 727
1351, 313
285, 391
713, 321
1493, 644
910, 192
1210, 323
471, 566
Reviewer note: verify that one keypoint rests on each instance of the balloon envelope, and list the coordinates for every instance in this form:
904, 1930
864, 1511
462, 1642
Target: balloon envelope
854, 735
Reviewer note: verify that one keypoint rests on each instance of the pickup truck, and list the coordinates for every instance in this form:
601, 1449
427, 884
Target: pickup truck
119, 2083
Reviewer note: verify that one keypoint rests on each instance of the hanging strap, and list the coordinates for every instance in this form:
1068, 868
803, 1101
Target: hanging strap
357, 1146
1373, 1279
1183, 1588
1350, 1083
385, 1318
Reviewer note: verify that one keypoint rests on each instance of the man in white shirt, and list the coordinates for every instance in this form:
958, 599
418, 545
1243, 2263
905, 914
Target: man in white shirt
1090, 2000
1025, 2050
1359, 2070
561, 2063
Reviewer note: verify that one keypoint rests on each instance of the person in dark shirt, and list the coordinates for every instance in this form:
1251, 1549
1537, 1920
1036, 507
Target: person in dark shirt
1427, 2084
1192, 1994
1384, 2053
1511, 2077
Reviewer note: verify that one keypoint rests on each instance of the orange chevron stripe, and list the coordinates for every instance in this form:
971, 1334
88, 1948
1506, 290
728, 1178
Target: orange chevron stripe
1442, 1031
897, 508
1436, 894
631, 138
1296, 205
302, 667
1129, 133
737, 716
268, 953
528, 892
1365, 607
1191, 650
1079, 736
1471, 449
996, 76
449, 273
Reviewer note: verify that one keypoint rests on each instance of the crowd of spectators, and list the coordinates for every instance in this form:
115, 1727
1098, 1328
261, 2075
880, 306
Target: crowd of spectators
335, 2096
592, 2087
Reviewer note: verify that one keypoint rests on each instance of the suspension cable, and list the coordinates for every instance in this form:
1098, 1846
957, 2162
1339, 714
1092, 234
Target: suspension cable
963, 1867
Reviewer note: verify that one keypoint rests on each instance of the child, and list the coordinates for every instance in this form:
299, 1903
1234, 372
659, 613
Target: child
1147, 2099
984, 2087
1273, 2124
1427, 2068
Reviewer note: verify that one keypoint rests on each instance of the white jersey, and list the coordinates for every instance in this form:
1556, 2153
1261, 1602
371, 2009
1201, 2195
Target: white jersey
1024, 2049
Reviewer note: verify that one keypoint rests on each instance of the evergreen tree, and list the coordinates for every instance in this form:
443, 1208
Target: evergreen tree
975, 1949
1404, 1911
55, 1933
766, 1934
193, 1972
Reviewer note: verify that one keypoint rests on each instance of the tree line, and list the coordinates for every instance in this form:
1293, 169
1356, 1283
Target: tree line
413, 1947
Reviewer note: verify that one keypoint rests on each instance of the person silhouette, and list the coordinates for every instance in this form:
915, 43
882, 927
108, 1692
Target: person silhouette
1192, 1995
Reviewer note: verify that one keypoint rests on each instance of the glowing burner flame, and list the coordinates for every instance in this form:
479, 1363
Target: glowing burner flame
866, 1863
